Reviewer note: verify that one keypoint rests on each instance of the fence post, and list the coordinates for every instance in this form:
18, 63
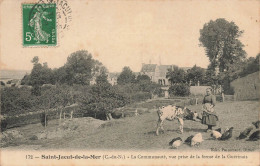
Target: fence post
45, 119
136, 113
60, 114
71, 114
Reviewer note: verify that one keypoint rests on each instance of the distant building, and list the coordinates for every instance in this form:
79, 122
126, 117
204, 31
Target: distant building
112, 77
157, 73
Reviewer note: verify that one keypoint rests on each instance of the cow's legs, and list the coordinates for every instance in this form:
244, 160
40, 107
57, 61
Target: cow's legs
162, 127
159, 125
181, 124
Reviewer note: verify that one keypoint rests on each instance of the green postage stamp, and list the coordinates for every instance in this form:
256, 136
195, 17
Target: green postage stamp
39, 24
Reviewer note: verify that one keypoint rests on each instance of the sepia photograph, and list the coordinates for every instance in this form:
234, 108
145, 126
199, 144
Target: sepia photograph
129, 82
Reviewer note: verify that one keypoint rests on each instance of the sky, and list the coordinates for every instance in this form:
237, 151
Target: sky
122, 33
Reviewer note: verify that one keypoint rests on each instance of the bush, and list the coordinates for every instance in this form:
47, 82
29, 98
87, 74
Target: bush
15, 101
179, 90
141, 96
101, 100
3, 125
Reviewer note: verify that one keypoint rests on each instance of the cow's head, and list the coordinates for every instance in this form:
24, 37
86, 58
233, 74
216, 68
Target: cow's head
189, 114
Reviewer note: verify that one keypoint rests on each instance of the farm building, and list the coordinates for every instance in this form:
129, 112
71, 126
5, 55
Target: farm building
157, 73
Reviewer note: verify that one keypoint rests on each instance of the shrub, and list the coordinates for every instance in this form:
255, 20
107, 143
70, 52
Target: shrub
101, 100
141, 96
3, 125
36, 90
16, 101
179, 90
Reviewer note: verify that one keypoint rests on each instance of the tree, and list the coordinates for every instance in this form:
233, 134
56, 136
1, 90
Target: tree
250, 66
143, 78
180, 89
145, 84
53, 97
60, 75
26, 80
210, 78
35, 60
220, 39
236, 70
16, 100
176, 75
40, 74
80, 68
126, 76
195, 74
102, 79
101, 100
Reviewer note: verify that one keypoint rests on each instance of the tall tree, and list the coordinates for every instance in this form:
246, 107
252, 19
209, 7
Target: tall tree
143, 78
220, 39
195, 74
126, 76
102, 78
176, 75
80, 68
40, 74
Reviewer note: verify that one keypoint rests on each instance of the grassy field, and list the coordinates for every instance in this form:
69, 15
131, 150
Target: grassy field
137, 133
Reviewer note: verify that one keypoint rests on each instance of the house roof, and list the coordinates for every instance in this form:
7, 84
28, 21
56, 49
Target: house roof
148, 68
163, 69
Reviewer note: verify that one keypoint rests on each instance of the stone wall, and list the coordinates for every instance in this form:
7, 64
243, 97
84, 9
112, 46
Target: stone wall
198, 90
246, 88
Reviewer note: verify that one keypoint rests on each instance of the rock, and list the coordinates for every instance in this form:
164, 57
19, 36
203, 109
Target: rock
42, 135
69, 125
34, 137
56, 134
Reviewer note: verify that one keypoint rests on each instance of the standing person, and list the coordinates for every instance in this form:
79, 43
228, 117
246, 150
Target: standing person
209, 116
36, 23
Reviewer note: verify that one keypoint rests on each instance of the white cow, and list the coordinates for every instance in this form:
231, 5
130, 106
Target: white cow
172, 112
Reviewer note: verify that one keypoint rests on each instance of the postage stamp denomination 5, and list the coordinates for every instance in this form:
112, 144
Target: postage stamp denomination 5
39, 24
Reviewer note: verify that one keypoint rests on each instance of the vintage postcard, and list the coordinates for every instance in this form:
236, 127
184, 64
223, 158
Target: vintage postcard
129, 82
